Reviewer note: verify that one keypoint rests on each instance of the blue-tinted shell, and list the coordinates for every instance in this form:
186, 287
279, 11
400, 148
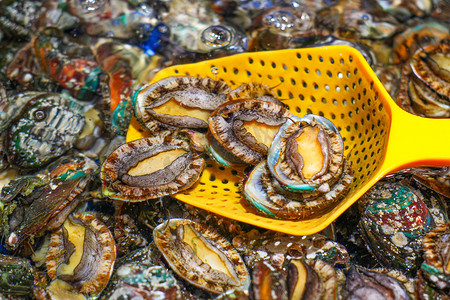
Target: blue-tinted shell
47, 127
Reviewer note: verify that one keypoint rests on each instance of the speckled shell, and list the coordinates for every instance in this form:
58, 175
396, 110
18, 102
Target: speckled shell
225, 127
17, 276
436, 253
428, 70
279, 159
321, 280
181, 174
393, 222
143, 280
52, 203
268, 282
183, 259
46, 128
191, 92
91, 275
260, 190
277, 249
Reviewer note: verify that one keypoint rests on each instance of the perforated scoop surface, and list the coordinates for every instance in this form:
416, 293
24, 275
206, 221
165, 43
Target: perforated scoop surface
334, 82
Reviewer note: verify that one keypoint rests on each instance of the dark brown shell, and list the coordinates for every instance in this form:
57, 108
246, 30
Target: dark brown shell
436, 254
181, 173
204, 94
184, 260
226, 125
254, 90
264, 193
92, 271
321, 281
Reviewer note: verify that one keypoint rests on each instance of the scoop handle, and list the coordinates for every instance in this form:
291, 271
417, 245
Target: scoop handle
416, 141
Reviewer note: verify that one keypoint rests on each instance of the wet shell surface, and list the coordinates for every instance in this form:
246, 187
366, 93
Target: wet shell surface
150, 168
263, 192
201, 256
246, 128
362, 283
142, 280
436, 254
307, 154
51, 203
254, 90
393, 222
425, 84
82, 252
179, 101
311, 280
47, 127
17, 276
268, 282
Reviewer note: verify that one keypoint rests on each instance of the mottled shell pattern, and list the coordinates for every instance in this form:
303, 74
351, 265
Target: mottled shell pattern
245, 128
311, 279
179, 101
393, 222
34, 204
47, 127
151, 167
82, 252
436, 253
290, 164
425, 86
201, 256
305, 172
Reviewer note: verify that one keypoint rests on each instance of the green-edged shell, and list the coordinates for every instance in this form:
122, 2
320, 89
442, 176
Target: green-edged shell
436, 253
179, 101
82, 252
17, 277
263, 192
47, 127
150, 168
201, 256
393, 223
246, 128
295, 172
32, 205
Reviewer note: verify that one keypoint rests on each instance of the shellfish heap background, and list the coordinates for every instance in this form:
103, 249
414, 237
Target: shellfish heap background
70, 72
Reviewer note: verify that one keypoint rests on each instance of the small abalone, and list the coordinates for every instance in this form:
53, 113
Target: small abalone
307, 154
311, 279
179, 101
263, 192
151, 167
48, 126
246, 128
201, 256
82, 252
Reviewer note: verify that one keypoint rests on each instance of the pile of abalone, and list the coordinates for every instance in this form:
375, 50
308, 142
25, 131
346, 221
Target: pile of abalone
69, 71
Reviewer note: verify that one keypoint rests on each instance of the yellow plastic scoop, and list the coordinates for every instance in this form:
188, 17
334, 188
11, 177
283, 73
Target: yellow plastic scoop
337, 83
